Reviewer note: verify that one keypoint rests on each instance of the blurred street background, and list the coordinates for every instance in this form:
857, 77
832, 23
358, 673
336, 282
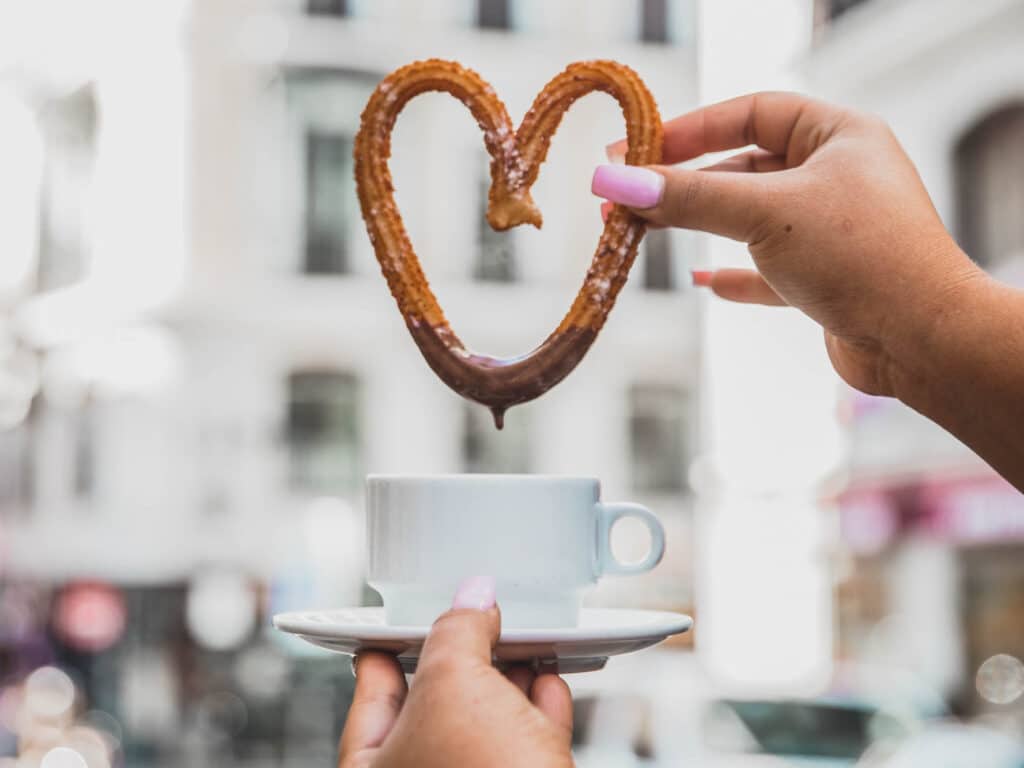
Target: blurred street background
200, 362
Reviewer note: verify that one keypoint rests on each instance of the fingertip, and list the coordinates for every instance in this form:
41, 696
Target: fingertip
551, 695
616, 152
745, 286
475, 592
702, 277
373, 668
470, 629
635, 186
732, 285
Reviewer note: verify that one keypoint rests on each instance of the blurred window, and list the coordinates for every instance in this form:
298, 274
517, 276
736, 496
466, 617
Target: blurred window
16, 466
990, 181
659, 271
221, 450
493, 14
658, 429
486, 449
327, 7
323, 431
68, 126
84, 421
829, 10
496, 252
330, 201
156, 615
654, 21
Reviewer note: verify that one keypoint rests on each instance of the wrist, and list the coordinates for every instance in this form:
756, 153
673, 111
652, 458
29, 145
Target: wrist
964, 371
944, 318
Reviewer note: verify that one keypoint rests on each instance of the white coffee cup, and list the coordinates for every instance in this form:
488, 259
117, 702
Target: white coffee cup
545, 540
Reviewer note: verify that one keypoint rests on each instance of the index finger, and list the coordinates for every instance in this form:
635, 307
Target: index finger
769, 120
380, 692
551, 695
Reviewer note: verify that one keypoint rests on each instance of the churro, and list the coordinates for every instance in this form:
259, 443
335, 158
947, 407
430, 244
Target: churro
516, 157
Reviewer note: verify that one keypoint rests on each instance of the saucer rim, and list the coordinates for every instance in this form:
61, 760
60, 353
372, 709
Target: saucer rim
656, 623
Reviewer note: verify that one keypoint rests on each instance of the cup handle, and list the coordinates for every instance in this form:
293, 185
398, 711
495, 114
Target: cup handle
607, 515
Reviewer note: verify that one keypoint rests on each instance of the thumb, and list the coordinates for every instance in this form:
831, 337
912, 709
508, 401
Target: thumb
733, 205
467, 633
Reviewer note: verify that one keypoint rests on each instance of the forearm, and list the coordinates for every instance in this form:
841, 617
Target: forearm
962, 365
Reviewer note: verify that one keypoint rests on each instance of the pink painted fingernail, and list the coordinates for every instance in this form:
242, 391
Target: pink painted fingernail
616, 153
628, 184
606, 208
475, 593
702, 277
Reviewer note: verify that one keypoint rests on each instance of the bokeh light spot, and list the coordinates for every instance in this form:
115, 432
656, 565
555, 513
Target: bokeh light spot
63, 757
220, 609
262, 672
49, 693
90, 617
1000, 679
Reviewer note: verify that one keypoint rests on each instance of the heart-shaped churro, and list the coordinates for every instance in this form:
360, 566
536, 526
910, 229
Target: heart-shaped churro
516, 156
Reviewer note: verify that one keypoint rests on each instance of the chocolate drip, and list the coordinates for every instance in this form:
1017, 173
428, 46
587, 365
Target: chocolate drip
499, 416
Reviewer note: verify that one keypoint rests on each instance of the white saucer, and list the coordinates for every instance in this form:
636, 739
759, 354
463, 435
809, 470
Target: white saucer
602, 632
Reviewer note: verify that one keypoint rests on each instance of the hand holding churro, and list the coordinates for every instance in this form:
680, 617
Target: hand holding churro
840, 226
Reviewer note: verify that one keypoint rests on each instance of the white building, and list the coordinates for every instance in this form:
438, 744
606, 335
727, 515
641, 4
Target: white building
200, 359
204, 359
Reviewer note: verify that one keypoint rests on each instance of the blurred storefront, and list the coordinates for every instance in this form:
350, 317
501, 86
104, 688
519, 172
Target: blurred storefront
932, 563
159, 679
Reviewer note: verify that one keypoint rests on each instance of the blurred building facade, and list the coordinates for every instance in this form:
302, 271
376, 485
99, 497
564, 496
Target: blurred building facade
201, 360
932, 567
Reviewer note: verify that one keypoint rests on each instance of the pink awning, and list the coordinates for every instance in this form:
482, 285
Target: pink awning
963, 510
